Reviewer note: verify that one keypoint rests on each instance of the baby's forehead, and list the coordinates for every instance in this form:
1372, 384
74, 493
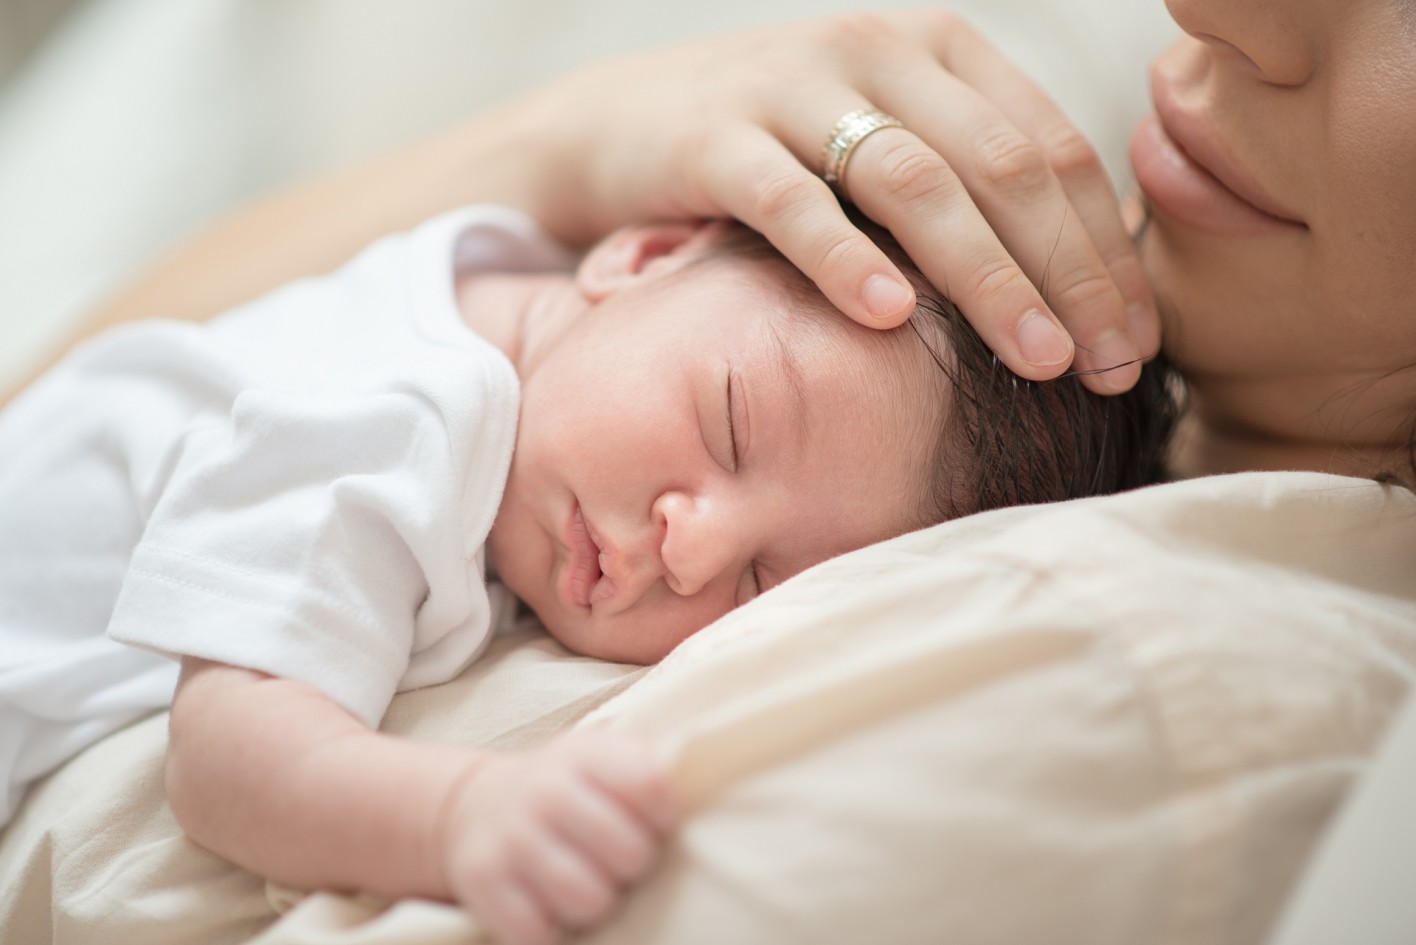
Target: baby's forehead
801, 329
895, 355
856, 403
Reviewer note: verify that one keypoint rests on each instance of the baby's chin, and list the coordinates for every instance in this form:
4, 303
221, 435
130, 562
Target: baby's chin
641, 636
612, 639
572, 631
563, 630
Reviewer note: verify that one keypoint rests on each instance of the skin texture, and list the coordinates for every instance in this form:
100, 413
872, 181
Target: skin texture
626, 372
1298, 342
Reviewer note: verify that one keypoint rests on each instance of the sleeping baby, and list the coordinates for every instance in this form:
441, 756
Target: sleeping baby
274, 522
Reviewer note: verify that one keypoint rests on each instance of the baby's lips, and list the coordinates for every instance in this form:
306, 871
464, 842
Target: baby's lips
605, 588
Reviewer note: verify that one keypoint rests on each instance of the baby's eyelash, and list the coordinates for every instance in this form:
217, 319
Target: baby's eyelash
732, 430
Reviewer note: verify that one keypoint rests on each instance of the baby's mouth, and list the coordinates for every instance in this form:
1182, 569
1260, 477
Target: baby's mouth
606, 585
585, 561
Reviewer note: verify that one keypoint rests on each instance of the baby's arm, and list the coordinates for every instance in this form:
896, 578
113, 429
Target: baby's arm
273, 775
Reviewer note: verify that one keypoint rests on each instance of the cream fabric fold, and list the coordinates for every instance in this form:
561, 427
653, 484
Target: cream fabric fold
1116, 720
94, 855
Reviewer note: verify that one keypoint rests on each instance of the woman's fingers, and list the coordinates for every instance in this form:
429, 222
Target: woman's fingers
1034, 255
750, 174
990, 266
976, 204
906, 186
988, 136
977, 62
989, 189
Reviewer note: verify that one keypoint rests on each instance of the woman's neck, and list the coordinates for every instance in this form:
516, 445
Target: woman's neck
1350, 425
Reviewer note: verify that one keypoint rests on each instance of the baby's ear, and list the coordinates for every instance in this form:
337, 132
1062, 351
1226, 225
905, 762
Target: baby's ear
634, 253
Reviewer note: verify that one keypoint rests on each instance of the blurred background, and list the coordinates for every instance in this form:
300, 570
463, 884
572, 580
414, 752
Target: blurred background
127, 124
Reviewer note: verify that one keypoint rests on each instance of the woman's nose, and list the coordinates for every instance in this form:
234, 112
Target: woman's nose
700, 538
1274, 40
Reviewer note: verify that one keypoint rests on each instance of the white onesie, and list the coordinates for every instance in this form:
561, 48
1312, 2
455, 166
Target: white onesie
302, 486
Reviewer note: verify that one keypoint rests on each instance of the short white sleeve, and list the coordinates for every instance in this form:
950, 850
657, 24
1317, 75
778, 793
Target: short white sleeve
325, 524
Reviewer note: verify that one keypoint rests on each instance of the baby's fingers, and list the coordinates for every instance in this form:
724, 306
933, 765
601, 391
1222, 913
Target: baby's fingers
512, 913
629, 773
538, 885
617, 839
569, 886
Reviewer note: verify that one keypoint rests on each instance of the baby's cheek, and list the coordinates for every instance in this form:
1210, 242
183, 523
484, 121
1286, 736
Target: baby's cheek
695, 620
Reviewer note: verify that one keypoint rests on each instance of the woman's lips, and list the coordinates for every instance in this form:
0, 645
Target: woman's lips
1184, 176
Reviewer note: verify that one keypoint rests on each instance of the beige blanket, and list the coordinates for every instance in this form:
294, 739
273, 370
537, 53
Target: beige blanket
1116, 720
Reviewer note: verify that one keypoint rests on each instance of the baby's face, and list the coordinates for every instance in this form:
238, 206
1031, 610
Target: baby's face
687, 444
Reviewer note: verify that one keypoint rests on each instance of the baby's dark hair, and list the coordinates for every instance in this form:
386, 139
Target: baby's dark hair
1006, 440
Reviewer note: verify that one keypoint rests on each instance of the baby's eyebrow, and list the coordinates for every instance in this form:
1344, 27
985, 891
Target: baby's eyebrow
790, 369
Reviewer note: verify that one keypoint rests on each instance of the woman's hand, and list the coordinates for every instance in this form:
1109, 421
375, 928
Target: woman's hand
546, 841
989, 188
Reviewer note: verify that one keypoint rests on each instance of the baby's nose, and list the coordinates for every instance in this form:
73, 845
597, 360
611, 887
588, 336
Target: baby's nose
699, 540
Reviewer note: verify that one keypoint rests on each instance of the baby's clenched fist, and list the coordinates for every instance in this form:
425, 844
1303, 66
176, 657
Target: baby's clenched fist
548, 840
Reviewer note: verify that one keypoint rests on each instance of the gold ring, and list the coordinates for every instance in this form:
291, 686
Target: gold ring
853, 128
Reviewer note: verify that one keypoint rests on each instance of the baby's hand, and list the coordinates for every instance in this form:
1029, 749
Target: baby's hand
548, 840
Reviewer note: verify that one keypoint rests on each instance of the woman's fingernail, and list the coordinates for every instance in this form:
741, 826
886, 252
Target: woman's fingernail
1042, 341
885, 297
1145, 328
1115, 355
